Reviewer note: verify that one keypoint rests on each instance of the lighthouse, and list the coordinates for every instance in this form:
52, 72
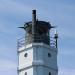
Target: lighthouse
37, 51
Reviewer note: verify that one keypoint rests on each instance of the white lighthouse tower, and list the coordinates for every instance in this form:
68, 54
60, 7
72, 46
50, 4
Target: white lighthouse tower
37, 53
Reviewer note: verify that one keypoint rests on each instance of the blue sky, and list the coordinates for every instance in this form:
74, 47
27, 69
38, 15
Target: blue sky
13, 13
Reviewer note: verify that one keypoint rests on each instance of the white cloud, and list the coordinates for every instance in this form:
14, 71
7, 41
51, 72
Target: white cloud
8, 6
66, 33
7, 65
66, 72
67, 52
3, 28
7, 27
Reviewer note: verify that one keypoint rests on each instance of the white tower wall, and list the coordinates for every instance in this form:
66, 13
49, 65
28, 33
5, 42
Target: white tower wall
37, 61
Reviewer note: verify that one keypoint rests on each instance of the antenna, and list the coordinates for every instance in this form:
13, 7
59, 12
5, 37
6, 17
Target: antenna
56, 38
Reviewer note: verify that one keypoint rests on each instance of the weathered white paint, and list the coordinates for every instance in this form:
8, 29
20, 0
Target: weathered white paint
29, 72
37, 62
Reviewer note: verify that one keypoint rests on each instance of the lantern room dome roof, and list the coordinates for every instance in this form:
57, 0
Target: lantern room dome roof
43, 24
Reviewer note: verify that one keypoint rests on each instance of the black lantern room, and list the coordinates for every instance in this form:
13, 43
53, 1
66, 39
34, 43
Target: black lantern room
37, 31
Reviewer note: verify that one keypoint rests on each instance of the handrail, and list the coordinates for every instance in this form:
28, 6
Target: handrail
22, 42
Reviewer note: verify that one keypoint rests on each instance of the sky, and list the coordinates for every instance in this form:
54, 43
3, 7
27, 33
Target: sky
60, 13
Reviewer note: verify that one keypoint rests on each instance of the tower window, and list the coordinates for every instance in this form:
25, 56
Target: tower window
25, 73
49, 54
25, 55
49, 73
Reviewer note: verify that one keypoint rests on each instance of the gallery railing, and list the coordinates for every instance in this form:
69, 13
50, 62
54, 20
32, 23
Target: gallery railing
38, 39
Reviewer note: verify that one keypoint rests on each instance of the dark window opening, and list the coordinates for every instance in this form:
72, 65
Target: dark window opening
49, 73
25, 55
49, 54
25, 73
